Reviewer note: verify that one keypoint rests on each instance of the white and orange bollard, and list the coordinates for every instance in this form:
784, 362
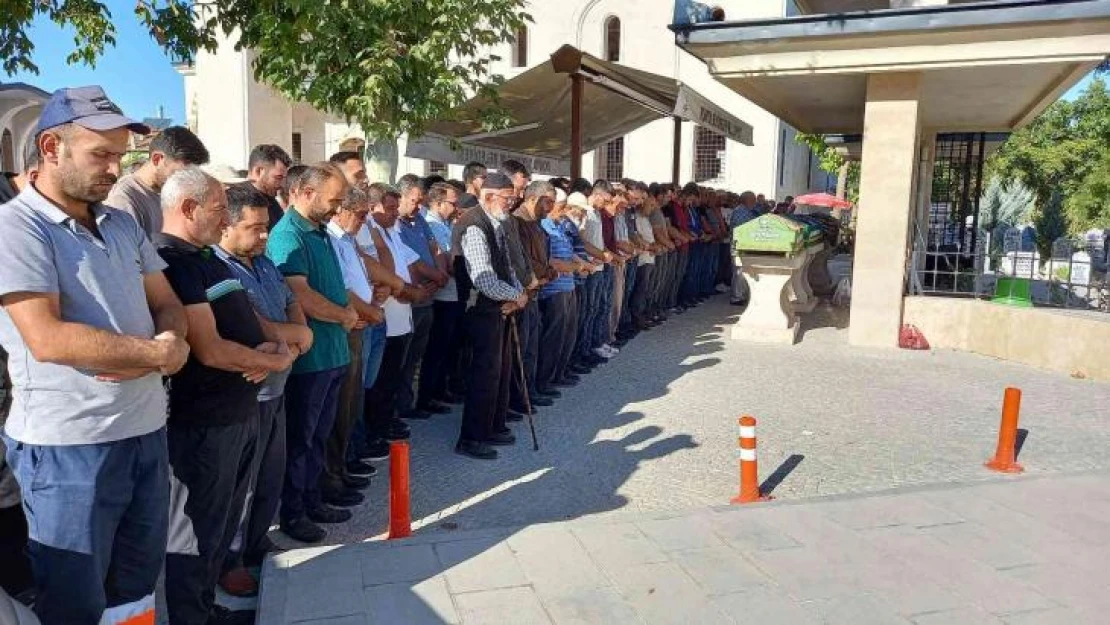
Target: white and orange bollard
749, 466
1005, 456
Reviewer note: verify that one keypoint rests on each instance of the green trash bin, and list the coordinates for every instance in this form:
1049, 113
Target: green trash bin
1013, 292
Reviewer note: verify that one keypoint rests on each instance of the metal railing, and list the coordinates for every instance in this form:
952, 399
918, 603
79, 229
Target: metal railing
1070, 283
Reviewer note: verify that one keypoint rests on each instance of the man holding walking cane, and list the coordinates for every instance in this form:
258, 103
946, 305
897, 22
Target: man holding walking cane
485, 249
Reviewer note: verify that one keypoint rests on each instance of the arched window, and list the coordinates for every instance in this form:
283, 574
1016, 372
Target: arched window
7, 152
520, 47
613, 39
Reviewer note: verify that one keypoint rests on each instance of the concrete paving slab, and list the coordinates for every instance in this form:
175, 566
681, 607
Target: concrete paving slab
475, 565
422, 603
518, 606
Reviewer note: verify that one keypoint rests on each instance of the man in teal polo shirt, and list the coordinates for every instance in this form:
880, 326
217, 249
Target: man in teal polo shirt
300, 247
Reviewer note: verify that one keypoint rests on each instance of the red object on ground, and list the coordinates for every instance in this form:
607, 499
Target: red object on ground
822, 199
912, 338
749, 466
1005, 457
400, 519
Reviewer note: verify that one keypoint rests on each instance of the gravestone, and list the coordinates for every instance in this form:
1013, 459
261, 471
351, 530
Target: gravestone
1062, 248
1028, 239
1081, 269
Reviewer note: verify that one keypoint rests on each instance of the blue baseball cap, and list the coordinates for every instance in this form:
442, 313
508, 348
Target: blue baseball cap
88, 107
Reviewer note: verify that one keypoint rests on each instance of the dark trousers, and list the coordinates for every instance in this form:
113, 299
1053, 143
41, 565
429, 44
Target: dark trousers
630, 275
528, 333
423, 317
264, 496
348, 411
15, 575
311, 401
604, 308
557, 329
211, 474
380, 407
487, 395
433, 373
689, 288
679, 275
587, 314
640, 294
97, 515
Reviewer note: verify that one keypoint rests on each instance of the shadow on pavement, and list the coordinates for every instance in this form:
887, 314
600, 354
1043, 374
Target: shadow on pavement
586, 455
780, 474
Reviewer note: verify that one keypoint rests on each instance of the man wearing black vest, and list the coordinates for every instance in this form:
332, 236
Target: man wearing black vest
485, 251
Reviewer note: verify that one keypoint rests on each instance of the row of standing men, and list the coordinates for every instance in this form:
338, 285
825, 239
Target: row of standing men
299, 317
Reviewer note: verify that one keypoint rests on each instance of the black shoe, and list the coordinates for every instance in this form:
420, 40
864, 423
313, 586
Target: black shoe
416, 414
548, 392
344, 499
357, 467
222, 616
265, 547
513, 416
594, 360
567, 381
434, 407
501, 439
325, 514
356, 482
451, 398
521, 410
542, 402
475, 449
579, 369
376, 450
303, 530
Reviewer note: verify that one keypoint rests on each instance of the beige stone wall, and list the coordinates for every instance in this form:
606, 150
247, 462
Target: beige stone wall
1060, 341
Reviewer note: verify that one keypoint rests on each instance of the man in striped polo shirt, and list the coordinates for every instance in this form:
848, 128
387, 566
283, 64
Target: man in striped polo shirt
558, 308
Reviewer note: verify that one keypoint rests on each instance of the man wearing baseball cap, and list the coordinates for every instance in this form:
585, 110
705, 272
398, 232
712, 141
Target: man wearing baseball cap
90, 319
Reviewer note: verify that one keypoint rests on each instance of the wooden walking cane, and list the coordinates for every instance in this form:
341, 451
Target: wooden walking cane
523, 380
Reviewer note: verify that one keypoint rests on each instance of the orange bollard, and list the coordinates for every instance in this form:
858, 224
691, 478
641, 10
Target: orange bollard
400, 519
1005, 460
749, 467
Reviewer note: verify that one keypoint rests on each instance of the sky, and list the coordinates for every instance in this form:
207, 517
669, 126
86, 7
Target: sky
1074, 92
136, 74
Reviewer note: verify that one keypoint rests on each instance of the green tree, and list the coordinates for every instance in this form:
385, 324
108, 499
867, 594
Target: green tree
1005, 203
831, 161
1063, 157
394, 66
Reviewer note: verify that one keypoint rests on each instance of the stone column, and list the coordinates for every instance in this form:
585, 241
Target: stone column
891, 128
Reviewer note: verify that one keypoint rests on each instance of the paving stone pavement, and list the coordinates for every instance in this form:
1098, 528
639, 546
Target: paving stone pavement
655, 430
1027, 550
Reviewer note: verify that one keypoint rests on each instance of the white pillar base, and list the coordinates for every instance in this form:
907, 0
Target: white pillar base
770, 316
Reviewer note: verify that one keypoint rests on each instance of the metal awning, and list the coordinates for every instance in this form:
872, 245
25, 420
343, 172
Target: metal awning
544, 102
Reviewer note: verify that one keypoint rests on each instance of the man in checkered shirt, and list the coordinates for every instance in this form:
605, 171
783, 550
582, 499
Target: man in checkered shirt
484, 247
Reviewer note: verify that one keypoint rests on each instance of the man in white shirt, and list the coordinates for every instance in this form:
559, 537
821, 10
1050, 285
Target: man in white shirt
337, 485
380, 406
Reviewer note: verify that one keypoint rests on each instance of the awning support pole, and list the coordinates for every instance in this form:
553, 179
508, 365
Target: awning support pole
676, 157
576, 82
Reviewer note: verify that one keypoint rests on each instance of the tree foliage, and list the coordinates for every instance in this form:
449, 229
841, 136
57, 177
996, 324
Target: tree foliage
1005, 204
829, 160
394, 66
1063, 157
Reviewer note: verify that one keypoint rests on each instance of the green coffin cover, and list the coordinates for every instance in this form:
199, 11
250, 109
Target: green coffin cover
769, 233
